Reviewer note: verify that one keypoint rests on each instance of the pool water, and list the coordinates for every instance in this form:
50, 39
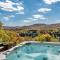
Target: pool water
35, 51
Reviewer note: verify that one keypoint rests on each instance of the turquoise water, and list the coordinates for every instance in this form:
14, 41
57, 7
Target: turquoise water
35, 51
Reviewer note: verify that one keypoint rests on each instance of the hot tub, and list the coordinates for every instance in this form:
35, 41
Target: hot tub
35, 51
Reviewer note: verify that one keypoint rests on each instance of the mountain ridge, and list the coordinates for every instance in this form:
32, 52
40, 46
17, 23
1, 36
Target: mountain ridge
36, 27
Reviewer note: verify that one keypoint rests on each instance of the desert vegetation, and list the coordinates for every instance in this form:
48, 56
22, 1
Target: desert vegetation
14, 37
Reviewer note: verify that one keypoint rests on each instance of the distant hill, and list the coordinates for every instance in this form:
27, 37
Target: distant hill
11, 28
36, 27
42, 26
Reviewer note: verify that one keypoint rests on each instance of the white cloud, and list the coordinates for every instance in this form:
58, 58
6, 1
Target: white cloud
37, 16
20, 12
44, 10
57, 21
34, 18
7, 18
31, 19
27, 21
11, 16
51, 1
8, 6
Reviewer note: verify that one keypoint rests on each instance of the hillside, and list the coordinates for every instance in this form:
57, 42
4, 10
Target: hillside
42, 26
36, 27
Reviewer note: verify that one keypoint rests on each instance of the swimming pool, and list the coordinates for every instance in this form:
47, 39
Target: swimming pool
35, 51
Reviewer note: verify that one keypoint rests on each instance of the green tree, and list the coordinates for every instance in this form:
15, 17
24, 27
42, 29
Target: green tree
45, 37
4, 38
1, 24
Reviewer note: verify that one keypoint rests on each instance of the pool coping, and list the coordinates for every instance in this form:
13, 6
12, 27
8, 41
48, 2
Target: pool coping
5, 53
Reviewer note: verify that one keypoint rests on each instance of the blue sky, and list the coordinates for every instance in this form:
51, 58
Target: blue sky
28, 12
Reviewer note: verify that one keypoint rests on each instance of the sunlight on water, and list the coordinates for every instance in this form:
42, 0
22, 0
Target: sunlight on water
52, 56
35, 52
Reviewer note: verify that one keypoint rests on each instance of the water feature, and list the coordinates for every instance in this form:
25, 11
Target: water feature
35, 51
